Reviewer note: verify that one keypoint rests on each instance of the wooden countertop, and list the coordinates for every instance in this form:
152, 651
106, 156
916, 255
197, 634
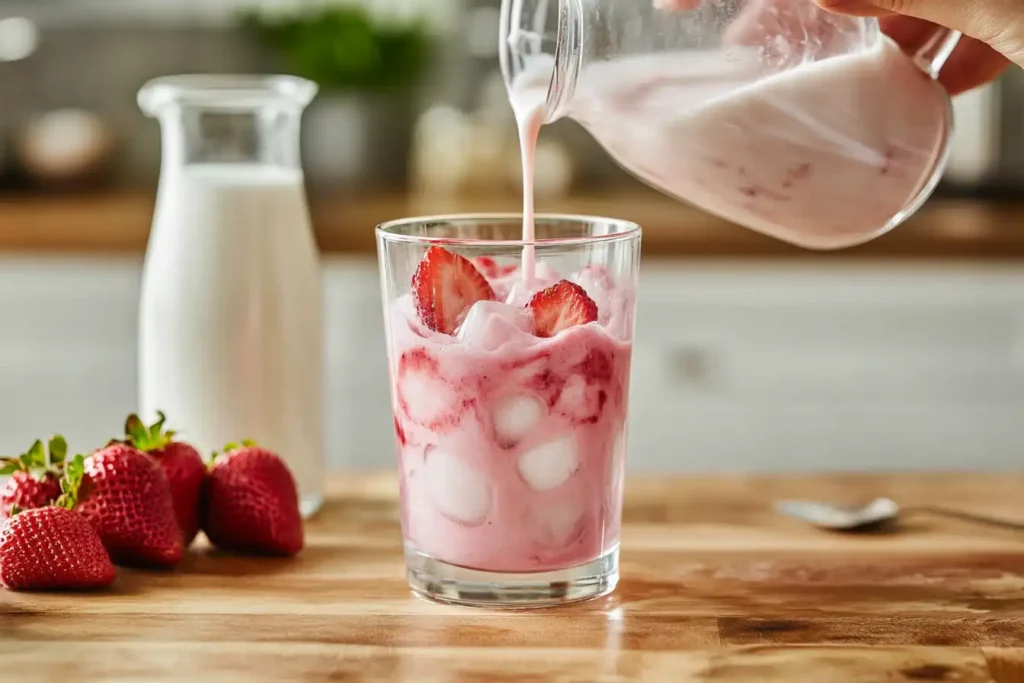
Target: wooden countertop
715, 588
120, 223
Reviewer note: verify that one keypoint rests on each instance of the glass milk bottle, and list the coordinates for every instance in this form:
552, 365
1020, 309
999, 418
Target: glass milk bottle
231, 320
809, 126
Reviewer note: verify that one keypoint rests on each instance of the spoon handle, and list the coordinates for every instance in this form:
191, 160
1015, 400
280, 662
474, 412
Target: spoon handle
966, 517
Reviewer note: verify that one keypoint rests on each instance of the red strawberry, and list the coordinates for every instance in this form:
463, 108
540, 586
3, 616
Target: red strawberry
184, 469
250, 503
561, 306
444, 287
35, 478
126, 498
52, 548
25, 491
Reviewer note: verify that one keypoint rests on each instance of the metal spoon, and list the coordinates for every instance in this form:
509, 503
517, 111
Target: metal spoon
879, 513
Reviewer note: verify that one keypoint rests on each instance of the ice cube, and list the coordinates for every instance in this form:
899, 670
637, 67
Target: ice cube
544, 276
489, 325
620, 317
598, 283
549, 465
595, 279
405, 322
516, 415
458, 491
580, 400
520, 293
423, 394
574, 394
503, 284
555, 524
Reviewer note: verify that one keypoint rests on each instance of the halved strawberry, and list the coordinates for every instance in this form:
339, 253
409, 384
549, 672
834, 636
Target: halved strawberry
444, 287
561, 306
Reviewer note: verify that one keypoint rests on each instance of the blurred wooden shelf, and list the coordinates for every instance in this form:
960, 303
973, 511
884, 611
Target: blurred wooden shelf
119, 223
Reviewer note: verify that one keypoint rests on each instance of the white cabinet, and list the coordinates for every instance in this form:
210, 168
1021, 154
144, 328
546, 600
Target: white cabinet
783, 366
360, 430
736, 365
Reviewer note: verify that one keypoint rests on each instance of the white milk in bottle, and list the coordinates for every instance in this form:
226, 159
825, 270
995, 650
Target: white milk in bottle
231, 318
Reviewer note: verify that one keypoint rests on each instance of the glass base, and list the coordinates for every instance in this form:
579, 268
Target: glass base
310, 505
436, 580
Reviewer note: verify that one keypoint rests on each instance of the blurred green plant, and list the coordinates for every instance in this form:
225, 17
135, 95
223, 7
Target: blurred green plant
343, 49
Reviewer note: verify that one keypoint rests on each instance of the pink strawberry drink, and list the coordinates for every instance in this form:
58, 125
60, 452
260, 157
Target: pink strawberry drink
510, 410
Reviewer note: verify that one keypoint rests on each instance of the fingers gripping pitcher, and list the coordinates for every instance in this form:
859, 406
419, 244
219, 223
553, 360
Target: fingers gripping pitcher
807, 126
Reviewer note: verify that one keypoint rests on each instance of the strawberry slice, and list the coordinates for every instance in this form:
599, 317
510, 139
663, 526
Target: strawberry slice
561, 306
444, 287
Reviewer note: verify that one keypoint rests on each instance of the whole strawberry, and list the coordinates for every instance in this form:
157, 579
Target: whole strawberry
184, 469
34, 477
126, 498
250, 503
52, 548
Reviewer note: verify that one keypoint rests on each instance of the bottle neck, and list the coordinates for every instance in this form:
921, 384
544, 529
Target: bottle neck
267, 134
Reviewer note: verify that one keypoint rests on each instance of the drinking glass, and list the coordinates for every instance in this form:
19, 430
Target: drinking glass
511, 445
806, 125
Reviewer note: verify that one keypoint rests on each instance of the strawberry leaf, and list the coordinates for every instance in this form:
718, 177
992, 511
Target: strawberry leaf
9, 466
14, 510
145, 438
135, 428
157, 427
71, 481
35, 457
157, 431
58, 449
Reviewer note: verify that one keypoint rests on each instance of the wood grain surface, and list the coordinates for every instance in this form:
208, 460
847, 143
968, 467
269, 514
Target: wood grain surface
715, 589
946, 229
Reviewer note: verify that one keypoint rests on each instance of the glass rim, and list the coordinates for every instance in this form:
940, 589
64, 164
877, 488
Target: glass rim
624, 229
224, 91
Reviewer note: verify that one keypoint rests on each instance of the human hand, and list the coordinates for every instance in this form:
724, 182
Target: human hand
993, 29
993, 32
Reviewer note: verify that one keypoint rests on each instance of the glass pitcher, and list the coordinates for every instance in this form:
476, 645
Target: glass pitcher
231, 319
809, 126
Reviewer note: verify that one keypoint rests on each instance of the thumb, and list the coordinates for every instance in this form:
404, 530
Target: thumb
1000, 23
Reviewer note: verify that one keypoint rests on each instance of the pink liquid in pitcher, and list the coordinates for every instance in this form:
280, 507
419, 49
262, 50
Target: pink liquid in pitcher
823, 155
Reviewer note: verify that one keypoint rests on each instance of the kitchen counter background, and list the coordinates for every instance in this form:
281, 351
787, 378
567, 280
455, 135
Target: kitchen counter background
738, 364
119, 223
